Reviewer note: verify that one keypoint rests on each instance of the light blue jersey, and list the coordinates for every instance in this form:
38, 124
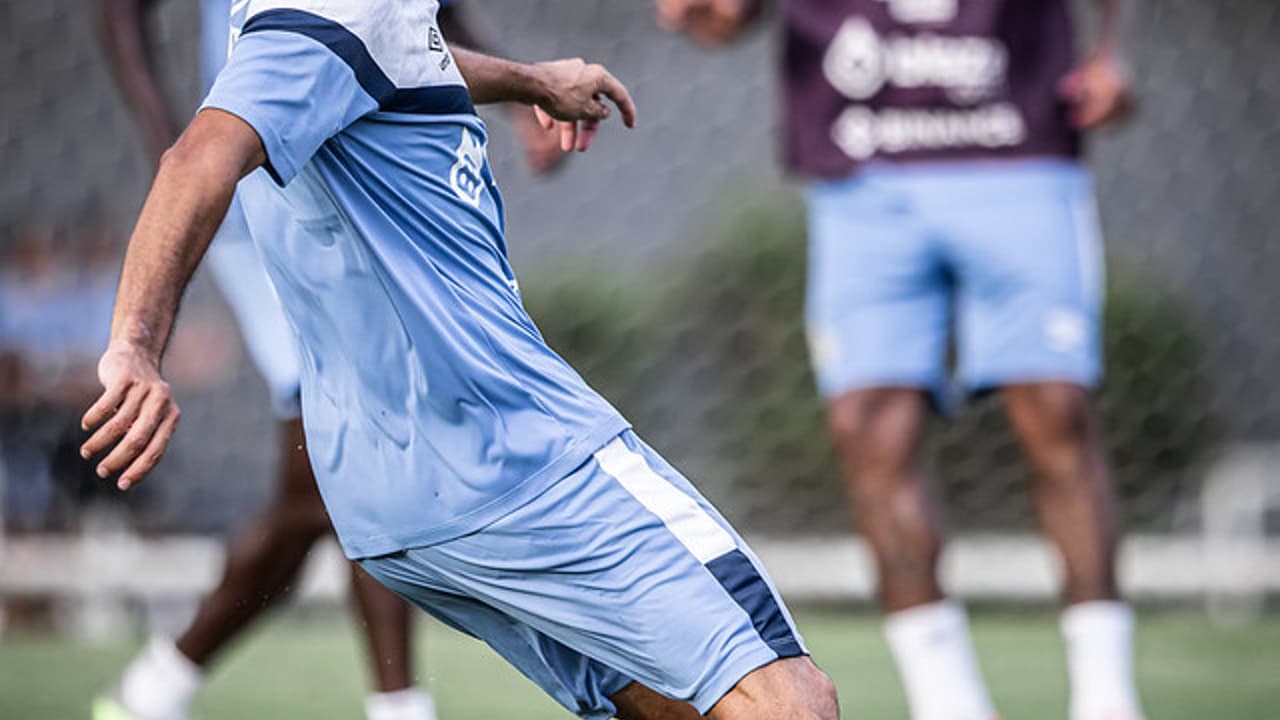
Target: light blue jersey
432, 405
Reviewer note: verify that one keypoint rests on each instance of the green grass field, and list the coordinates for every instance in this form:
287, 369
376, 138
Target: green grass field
311, 668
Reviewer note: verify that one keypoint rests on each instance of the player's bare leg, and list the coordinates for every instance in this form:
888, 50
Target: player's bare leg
1071, 487
1075, 505
262, 562
637, 702
877, 435
792, 688
386, 621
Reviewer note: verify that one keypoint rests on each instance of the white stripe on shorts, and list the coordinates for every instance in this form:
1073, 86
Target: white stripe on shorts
692, 526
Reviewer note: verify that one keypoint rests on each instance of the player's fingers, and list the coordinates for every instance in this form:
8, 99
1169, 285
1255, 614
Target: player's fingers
546, 121
151, 414
568, 135
587, 134
117, 425
154, 451
612, 88
104, 407
595, 111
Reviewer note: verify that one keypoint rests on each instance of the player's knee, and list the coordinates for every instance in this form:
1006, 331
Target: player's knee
814, 695
792, 688
1056, 424
877, 426
1054, 413
823, 697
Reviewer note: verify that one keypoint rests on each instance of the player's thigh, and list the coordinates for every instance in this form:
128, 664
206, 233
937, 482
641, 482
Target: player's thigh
622, 562
1030, 272
583, 686
243, 280
877, 299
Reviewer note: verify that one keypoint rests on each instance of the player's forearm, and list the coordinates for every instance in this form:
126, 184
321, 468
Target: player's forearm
187, 202
494, 80
178, 221
124, 38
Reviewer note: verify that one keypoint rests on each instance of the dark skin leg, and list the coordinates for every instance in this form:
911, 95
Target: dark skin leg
388, 634
263, 564
877, 435
792, 688
1072, 490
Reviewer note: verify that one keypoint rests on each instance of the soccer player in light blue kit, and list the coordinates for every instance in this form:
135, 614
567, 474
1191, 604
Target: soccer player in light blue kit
463, 463
264, 559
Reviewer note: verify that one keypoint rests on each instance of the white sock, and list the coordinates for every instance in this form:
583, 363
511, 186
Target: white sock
408, 704
160, 682
937, 664
1099, 639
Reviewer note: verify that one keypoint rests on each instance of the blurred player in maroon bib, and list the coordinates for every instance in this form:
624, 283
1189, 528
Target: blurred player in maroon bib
940, 140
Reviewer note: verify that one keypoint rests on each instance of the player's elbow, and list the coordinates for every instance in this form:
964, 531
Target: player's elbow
181, 157
206, 156
199, 168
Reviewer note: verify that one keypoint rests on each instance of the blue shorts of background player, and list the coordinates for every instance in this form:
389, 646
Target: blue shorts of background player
1005, 255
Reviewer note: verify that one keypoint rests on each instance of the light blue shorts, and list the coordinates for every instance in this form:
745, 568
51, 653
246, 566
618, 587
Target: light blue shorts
621, 572
1006, 253
268, 336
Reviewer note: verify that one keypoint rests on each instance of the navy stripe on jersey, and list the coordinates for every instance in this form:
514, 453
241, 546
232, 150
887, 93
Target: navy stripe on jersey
432, 100
739, 577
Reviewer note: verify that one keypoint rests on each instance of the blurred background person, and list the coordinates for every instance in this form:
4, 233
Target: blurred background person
263, 562
947, 200
50, 326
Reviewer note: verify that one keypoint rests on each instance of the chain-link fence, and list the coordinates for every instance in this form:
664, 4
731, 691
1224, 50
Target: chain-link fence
668, 264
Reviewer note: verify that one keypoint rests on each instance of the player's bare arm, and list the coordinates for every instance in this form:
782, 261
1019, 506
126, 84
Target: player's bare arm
1099, 88
541, 145
569, 92
710, 22
124, 38
136, 414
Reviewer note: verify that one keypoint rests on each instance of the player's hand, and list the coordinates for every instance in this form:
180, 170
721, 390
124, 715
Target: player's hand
541, 145
573, 101
136, 414
1098, 91
710, 22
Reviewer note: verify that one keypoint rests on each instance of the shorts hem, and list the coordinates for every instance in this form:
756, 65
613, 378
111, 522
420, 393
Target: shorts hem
990, 382
834, 389
727, 679
934, 389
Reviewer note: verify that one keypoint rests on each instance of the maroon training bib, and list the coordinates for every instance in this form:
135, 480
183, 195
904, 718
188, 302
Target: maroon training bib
902, 80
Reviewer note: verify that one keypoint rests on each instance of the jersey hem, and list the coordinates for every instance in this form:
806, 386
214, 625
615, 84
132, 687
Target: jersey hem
571, 459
